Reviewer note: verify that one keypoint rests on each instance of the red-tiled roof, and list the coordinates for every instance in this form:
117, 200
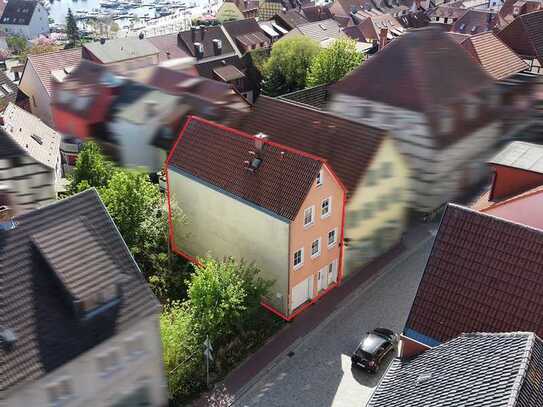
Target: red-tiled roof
524, 35
167, 44
221, 157
523, 208
347, 146
484, 274
474, 22
496, 58
44, 64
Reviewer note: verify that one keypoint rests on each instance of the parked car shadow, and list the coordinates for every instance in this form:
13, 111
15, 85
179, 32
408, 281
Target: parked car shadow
368, 379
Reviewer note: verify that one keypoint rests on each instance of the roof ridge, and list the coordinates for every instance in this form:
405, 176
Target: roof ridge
497, 218
522, 371
522, 195
255, 138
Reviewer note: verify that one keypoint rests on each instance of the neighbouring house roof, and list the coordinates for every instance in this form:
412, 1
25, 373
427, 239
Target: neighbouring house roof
447, 12
506, 13
247, 33
139, 104
206, 68
318, 31
425, 56
316, 13
269, 8
521, 155
33, 137
45, 64
348, 147
394, 7
291, 18
474, 22
18, 12
524, 208
496, 58
221, 157
370, 27
474, 369
121, 49
483, 275
33, 256
354, 32
524, 35
8, 90
167, 46
228, 73
205, 36
315, 97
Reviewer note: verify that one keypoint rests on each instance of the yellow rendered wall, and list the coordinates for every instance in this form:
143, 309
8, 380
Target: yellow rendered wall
389, 198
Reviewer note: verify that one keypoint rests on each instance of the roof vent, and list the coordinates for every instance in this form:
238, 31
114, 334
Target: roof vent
423, 378
255, 163
7, 339
37, 139
260, 138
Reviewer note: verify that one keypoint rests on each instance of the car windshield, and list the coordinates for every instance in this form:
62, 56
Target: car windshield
371, 343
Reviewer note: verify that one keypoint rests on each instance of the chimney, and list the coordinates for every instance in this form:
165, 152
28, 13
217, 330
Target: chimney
418, 4
198, 50
489, 20
202, 32
217, 46
382, 38
259, 142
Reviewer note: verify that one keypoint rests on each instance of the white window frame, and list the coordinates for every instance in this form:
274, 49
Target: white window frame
312, 209
319, 244
327, 214
319, 179
299, 265
331, 245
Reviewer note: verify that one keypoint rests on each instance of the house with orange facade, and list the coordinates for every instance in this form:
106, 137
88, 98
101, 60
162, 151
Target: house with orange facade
246, 197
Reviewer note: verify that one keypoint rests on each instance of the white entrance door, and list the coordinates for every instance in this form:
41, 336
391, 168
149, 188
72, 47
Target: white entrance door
301, 292
332, 272
320, 279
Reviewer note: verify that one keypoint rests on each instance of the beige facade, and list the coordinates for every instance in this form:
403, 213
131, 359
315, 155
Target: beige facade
39, 99
130, 375
228, 12
376, 213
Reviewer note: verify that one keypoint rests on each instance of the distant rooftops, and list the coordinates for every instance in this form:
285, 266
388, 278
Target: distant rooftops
18, 12
475, 369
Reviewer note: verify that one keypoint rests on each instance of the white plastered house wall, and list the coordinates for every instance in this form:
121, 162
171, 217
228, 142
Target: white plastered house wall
39, 24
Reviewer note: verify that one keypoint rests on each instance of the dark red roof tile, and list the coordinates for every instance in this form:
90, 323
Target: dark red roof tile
482, 275
220, 156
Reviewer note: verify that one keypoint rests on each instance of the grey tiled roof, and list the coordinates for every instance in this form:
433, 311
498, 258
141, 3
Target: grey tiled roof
480, 370
79, 236
521, 155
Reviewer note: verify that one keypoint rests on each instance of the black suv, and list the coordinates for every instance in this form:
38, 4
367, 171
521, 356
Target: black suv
373, 348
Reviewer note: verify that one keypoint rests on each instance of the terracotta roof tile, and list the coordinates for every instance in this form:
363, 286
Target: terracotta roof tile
524, 35
44, 64
221, 157
496, 58
346, 145
474, 22
483, 275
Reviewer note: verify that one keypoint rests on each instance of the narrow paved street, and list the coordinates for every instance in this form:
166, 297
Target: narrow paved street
319, 373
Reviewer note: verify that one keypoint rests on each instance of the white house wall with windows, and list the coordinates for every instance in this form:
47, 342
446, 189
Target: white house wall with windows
23, 18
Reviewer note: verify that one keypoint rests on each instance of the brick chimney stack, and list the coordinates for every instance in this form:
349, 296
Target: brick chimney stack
382, 38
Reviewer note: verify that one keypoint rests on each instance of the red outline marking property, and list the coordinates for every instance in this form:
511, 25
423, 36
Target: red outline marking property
194, 260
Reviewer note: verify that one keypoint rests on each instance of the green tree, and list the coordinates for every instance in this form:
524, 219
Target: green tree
286, 68
223, 294
92, 169
17, 44
333, 63
223, 304
72, 31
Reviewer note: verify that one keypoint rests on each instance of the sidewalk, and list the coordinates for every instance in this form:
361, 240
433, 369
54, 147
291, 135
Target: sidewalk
244, 374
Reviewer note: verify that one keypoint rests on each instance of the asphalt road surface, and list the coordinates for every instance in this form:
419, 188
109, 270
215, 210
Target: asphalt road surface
318, 372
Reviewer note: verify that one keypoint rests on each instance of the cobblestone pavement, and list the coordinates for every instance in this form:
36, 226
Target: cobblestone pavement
318, 372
